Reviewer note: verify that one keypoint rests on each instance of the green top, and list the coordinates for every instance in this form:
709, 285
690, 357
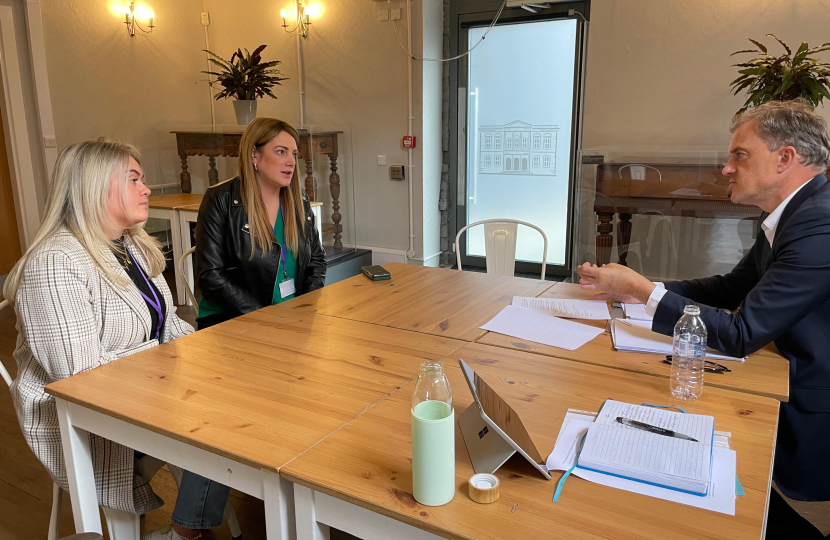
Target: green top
206, 307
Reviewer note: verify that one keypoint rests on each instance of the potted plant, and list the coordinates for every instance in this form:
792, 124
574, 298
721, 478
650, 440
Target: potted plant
245, 77
786, 77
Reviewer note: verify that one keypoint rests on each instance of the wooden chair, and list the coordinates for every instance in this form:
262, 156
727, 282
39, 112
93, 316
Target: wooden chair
500, 245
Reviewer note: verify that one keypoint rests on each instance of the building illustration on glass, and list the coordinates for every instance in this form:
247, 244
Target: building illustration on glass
518, 149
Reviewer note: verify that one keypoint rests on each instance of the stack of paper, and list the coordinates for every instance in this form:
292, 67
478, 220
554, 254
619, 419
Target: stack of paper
636, 336
541, 327
636, 311
721, 492
613, 448
566, 307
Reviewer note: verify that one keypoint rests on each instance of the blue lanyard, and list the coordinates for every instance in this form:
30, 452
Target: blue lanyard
154, 302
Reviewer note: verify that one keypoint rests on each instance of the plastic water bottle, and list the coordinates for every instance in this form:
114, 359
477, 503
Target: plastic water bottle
689, 355
433, 437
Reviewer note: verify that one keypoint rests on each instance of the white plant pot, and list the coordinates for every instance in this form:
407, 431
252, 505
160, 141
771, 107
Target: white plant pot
245, 110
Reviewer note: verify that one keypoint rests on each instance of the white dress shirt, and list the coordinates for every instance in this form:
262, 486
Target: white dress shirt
768, 226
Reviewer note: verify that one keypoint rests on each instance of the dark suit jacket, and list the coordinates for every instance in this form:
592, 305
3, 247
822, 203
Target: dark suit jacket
783, 295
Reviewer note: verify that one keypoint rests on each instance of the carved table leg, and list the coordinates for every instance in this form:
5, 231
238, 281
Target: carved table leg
334, 185
623, 237
310, 182
604, 238
213, 174
184, 177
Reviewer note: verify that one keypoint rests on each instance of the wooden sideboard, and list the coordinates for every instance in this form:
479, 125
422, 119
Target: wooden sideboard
214, 143
679, 189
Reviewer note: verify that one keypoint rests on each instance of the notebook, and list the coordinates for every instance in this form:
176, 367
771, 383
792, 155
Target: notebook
631, 453
637, 336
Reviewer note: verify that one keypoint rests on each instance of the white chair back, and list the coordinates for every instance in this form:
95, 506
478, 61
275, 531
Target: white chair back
500, 245
183, 270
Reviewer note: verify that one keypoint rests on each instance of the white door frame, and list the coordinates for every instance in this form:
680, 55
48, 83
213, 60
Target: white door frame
16, 126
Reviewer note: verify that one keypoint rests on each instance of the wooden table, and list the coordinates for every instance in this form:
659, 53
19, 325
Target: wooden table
237, 401
765, 372
696, 189
359, 478
168, 207
226, 143
436, 301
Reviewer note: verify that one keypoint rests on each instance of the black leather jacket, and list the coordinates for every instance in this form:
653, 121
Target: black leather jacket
223, 271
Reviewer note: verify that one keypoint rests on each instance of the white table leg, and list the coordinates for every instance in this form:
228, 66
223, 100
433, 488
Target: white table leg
78, 459
308, 528
278, 495
186, 217
175, 238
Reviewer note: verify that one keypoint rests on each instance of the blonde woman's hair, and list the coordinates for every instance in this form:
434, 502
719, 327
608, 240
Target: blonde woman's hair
258, 133
77, 201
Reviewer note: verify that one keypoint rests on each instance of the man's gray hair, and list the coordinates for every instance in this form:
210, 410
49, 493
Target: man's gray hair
790, 123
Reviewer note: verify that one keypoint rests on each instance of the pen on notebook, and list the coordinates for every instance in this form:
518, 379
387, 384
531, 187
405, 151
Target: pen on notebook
653, 429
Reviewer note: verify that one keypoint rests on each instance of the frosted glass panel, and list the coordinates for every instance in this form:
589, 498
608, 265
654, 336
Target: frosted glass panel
520, 107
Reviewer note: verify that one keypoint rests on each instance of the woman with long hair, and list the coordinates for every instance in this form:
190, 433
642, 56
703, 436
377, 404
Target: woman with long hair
90, 290
256, 240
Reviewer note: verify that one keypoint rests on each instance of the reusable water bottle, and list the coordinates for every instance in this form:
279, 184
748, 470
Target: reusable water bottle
433, 437
688, 355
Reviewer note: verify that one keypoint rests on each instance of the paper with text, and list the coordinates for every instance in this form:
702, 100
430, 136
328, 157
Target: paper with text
720, 496
566, 307
541, 328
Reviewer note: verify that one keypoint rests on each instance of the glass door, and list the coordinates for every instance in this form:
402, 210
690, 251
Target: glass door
521, 95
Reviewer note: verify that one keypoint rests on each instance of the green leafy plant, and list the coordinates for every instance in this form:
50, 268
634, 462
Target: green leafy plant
786, 77
245, 76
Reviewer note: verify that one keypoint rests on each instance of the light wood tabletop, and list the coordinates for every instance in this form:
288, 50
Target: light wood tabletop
176, 201
765, 372
259, 389
367, 462
436, 301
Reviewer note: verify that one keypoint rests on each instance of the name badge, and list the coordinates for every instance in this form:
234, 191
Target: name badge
287, 288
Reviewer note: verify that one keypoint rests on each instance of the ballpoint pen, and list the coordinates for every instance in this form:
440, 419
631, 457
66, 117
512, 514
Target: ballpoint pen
653, 429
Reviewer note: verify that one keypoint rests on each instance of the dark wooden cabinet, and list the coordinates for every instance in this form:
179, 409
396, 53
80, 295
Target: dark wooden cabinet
213, 144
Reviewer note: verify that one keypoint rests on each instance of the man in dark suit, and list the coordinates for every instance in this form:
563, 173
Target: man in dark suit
779, 291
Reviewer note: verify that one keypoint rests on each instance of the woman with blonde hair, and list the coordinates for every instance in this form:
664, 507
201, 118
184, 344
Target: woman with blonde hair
90, 290
256, 240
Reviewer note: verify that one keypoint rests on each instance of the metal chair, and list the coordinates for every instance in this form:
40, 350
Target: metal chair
183, 269
500, 245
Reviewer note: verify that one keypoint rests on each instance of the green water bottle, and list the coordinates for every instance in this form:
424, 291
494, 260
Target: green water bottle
433, 437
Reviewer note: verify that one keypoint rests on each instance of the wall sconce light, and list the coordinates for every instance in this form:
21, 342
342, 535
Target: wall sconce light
303, 12
131, 16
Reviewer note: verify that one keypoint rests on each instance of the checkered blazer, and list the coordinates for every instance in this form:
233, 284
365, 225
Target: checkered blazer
71, 318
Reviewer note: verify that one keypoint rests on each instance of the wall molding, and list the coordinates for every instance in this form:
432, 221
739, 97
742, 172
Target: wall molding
17, 142
43, 97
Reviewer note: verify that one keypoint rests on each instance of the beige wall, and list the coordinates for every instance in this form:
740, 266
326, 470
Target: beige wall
659, 71
658, 74
104, 83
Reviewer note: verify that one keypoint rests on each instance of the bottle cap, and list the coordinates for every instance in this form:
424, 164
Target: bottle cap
484, 488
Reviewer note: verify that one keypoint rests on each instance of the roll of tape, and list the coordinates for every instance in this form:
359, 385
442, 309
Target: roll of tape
484, 488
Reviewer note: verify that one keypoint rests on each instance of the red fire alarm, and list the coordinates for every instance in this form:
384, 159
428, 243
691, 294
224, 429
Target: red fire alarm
409, 141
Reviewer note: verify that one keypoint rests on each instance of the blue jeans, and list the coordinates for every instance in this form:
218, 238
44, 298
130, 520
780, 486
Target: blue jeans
201, 502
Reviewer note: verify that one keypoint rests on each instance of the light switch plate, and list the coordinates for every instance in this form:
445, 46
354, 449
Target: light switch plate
381, 160
396, 14
383, 15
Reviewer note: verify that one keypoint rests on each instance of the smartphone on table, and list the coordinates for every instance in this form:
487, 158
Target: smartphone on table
376, 273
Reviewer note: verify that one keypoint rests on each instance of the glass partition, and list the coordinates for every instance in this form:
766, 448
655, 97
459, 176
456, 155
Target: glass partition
664, 212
